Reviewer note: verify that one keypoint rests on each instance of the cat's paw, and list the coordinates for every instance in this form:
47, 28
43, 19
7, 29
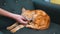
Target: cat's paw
29, 26
32, 27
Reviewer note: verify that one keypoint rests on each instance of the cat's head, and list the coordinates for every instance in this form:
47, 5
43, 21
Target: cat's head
27, 14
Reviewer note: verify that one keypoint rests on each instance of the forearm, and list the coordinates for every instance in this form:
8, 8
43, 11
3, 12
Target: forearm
17, 17
6, 13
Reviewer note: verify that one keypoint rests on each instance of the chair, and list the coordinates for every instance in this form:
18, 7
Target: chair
51, 9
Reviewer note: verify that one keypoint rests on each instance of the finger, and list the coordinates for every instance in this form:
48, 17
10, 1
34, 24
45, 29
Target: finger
24, 18
24, 22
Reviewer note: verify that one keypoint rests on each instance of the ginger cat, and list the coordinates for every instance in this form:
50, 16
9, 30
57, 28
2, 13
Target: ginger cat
38, 19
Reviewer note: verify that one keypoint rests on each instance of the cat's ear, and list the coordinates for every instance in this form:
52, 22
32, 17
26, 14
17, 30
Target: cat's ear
23, 9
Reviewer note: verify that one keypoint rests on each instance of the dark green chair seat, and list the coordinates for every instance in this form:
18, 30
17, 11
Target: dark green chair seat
54, 29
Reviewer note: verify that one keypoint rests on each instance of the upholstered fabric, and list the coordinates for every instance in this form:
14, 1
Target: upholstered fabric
53, 29
1, 32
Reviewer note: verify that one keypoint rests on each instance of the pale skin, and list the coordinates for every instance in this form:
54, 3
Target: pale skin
17, 17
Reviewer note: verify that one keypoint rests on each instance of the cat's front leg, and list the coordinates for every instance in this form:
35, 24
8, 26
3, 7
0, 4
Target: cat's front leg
17, 28
12, 26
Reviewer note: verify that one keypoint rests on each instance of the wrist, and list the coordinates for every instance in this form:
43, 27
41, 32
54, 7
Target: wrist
12, 15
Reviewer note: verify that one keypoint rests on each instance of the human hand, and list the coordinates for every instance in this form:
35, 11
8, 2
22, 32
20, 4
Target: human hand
20, 19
